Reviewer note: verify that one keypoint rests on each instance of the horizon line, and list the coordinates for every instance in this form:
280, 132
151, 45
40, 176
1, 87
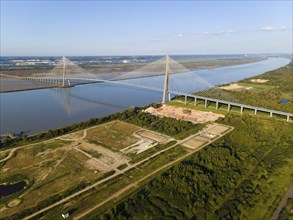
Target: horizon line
199, 54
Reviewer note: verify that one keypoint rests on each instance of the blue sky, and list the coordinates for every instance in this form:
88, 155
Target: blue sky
145, 27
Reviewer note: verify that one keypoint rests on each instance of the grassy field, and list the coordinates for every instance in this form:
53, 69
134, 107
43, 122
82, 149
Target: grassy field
59, 167
89, 200
285, 213
257, 85
242, 176
287, 95
115, 135
132, 180
52, 169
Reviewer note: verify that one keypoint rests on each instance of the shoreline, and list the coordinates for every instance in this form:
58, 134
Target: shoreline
73, 120
193, 69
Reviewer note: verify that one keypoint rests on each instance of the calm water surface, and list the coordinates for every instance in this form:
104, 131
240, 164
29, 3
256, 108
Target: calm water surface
40, 110
6, 190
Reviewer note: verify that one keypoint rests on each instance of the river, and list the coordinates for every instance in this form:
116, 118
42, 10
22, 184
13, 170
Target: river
40, 110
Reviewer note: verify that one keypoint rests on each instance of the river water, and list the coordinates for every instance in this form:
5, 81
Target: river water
40, 110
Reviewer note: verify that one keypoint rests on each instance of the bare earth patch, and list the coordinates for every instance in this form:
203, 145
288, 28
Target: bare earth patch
153, 135
233, 87
14, 202
195, 142
179, 113
211, 132
259, 80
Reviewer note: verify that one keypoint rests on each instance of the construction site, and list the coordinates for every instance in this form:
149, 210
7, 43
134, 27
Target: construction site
179, 113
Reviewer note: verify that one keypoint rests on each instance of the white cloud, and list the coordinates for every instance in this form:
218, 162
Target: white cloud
215, 33
231, 31
284, 28
267, 28
180, 35
270, 28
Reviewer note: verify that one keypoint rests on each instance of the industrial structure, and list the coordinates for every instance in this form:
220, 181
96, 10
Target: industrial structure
169, 88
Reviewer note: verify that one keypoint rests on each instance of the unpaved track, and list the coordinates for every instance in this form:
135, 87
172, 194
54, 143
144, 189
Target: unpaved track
117, 173
121, 191
12, 150
289, 194
134, 184
8, 156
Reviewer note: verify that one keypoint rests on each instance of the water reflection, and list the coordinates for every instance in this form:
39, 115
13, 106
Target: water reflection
41, 110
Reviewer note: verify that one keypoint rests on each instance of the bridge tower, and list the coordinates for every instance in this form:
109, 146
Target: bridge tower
64, 70
166, 82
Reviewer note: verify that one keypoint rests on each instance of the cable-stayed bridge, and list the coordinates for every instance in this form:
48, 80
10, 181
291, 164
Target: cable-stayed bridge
164, 75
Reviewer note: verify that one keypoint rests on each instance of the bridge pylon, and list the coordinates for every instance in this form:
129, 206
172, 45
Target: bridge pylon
64, 71
166, 89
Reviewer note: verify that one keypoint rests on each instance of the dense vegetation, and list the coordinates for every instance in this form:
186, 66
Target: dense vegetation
280, 78
242, 176
280, 86
267, 95
170, 126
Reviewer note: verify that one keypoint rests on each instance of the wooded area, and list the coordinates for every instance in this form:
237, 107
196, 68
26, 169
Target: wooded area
244, 175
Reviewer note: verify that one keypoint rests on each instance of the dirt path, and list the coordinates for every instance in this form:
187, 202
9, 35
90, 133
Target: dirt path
11, 151
8, 156
121, 191
126, 188
283, 203
119, 173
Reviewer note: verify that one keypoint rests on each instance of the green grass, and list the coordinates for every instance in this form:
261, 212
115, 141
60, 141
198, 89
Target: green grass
3, 155
39, 148
139, 157
285, 212
122, 167
287, 95
241, 176
93, 153
103, 191
114, 135
257, 85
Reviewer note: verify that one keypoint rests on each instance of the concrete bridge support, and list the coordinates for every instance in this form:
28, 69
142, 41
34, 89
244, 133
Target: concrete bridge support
217, 105
195, 99
271, 114
241, 109
255, 111
229, 107
166, 82
205, 103
185, 100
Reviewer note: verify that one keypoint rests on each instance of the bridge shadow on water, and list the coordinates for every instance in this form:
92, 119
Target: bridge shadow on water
67, 93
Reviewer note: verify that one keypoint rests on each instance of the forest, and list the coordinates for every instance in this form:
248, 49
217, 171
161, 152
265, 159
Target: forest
241, 176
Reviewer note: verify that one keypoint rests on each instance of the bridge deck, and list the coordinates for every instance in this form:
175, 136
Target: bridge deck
207, 99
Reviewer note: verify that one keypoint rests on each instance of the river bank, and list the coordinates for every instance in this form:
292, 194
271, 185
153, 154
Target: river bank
37, 111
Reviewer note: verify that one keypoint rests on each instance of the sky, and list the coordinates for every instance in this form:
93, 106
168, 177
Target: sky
88, 28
